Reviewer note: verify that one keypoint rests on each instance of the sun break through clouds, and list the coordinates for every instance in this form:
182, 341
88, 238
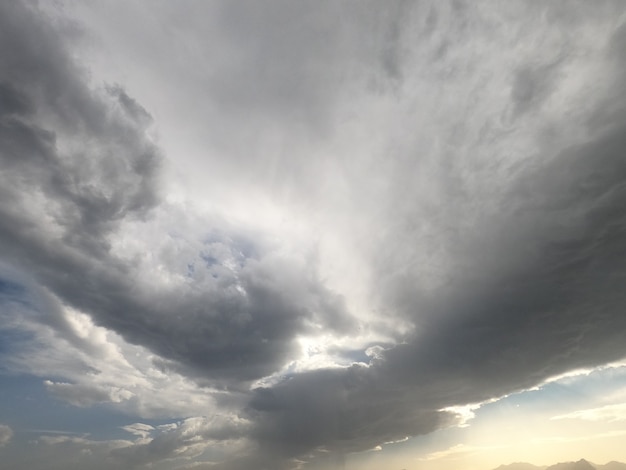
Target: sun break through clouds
370, 216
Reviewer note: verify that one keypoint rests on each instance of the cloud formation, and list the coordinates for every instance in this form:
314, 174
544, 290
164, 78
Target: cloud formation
455, 230
81, 165
6, 433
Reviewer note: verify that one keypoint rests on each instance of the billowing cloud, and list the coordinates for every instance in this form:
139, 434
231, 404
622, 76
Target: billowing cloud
81, 165
428, 197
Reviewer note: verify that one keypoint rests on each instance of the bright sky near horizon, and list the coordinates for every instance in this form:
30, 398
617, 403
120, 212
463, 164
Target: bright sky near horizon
312, 235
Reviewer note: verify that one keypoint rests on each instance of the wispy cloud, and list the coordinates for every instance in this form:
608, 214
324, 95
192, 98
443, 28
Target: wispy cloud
609, 434
608, 413
458, 451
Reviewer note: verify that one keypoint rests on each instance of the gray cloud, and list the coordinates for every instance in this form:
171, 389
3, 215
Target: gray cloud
79, 163
540, 296
531, 290
493, 232
186, 439
6, 433
62, 452
81, 395
174, 445
532, 85
343, 411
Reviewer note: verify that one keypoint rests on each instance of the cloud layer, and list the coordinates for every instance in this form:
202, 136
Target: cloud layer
429, 197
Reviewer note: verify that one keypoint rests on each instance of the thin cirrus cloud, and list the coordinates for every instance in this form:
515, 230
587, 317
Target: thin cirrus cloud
604, 413
430, 196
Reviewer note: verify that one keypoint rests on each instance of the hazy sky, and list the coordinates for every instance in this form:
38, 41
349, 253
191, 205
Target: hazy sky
312, 235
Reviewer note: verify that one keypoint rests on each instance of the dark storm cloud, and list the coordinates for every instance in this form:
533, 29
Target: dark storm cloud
535, 290
107, 171
339, 411
74, 187
541, 294
76, 163
533, 283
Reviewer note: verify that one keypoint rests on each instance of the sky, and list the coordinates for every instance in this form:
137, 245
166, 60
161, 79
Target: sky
312, 235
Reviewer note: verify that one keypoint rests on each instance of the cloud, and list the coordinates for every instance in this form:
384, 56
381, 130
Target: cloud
58, 452
139, 429
188, 439
6, 433
608, 413
82, 167
472, 343
81, 395
455, 452
531, 290
465, 191
342, 410
176, 443
609, 434
98, 365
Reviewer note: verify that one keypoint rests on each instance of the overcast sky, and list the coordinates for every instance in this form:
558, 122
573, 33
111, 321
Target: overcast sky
312, 235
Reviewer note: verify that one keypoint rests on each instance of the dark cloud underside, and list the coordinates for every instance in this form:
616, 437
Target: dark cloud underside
78, 162
503, 273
